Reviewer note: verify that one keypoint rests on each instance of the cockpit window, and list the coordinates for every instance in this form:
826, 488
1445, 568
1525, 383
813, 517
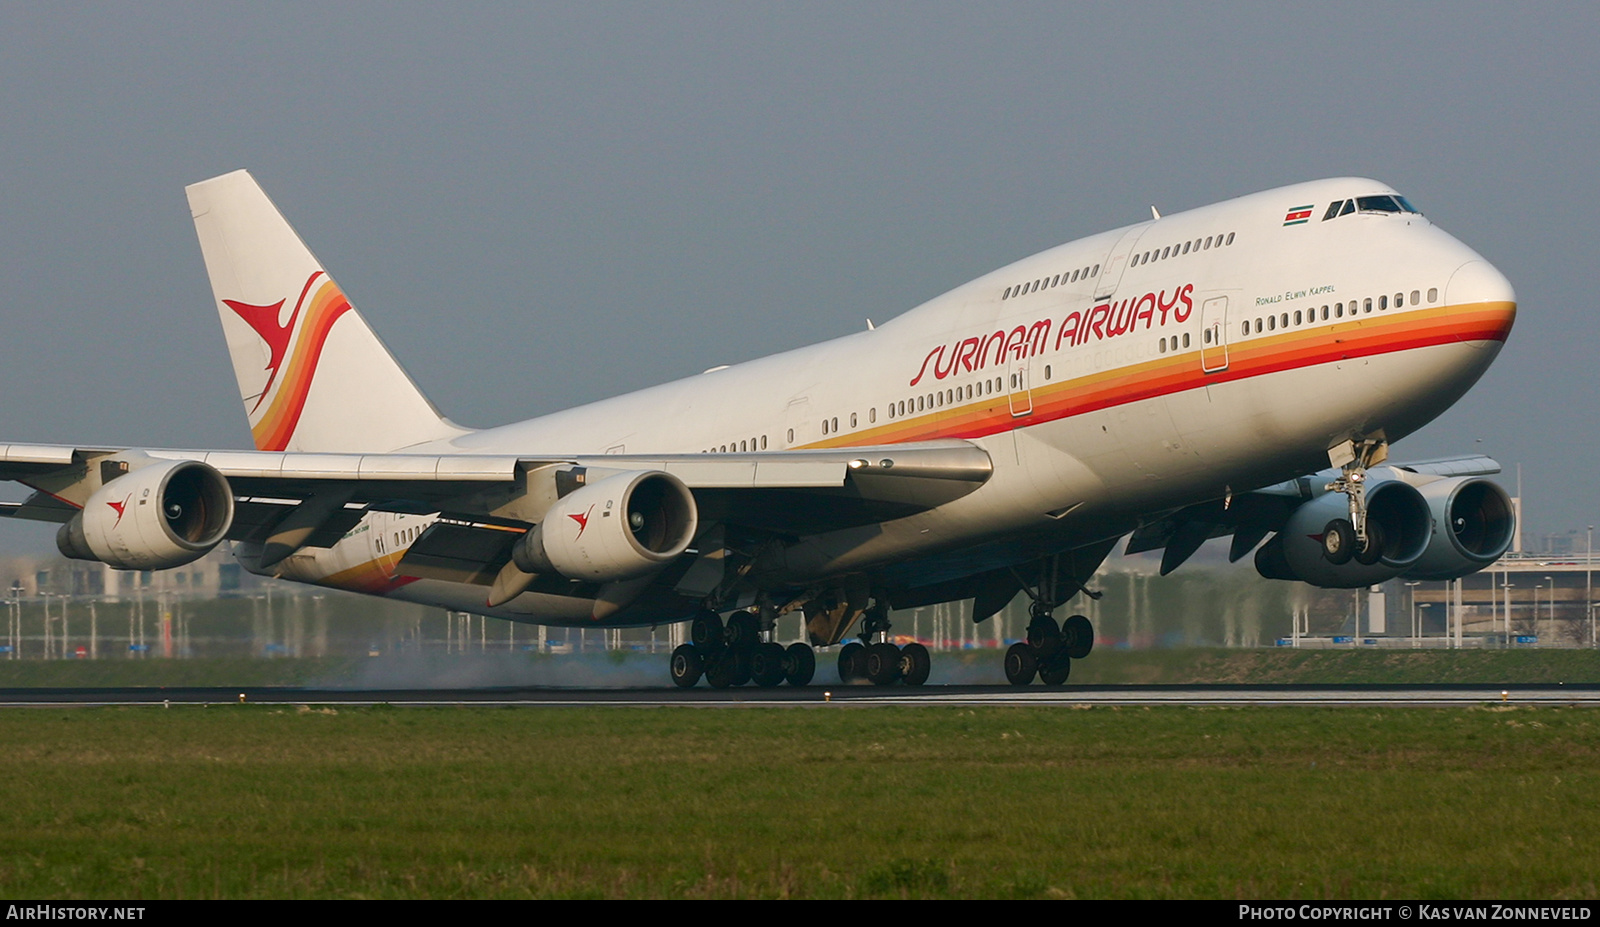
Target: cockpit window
1405, 204
1377, 204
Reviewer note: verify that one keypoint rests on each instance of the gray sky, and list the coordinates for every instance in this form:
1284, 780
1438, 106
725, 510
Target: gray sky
537, 206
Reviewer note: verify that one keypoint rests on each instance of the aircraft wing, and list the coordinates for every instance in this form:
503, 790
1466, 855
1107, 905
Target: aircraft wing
788, 492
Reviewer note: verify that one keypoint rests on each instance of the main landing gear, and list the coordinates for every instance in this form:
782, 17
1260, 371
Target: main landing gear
874, 659
1049, 650
739, 653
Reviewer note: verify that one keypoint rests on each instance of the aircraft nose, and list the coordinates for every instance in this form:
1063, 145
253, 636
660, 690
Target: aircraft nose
1482, 304
1478, 282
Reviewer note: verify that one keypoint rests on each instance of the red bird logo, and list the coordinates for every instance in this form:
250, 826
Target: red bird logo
582, 520
118, 507
264, 319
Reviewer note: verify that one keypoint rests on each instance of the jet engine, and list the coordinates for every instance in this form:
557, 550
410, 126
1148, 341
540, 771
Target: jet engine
1398, 522
622, 527
157, 517
1474, 523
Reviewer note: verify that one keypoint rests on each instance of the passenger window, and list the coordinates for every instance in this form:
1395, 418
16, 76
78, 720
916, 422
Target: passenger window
1286, 320
763, 442
1230, 239
1366, 305
1272, 322
1163, 348
1297, 317
1166, 251
1186, 247
1047, 371
1383, 303
852, 420
1433, 294
1399, 300
1208, 242
1206, 337
1416, 297
1186, 339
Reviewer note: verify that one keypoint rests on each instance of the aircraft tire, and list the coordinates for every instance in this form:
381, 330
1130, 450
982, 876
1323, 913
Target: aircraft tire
1021, 665
1044, 636
852, 663
1372, 552
915, 664
1054, 672
722, 670
741, 664
686, 666
744, 630
883, 664
766, 665
799, 664
1338, 541
1077, 637
706, 632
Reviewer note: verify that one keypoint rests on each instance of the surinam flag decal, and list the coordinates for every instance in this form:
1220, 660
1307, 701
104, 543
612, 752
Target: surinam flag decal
1298, 215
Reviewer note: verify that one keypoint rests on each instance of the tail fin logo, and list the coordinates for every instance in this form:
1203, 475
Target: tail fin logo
294, 349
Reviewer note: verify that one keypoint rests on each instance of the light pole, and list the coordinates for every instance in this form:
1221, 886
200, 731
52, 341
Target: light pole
1588, 581
1413, 587
1552, 607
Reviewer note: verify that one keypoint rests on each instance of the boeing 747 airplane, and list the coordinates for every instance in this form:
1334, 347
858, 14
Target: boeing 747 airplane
1234, 370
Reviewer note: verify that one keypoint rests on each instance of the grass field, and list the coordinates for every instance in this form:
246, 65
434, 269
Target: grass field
1136, 667
821, 801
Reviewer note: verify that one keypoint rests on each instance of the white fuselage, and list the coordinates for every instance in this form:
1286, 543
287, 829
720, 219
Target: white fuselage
1110, 379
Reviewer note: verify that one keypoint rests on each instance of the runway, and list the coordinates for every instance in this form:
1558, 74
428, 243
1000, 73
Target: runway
1233, 696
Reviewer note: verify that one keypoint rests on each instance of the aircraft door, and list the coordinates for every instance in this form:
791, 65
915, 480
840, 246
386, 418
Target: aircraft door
1020, 391
1116, 262
1214, 334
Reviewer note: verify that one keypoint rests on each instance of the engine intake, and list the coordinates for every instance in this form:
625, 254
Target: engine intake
622, 527
1474, 524
159, 516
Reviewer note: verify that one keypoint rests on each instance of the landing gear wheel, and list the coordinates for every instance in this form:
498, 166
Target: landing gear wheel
744, 630
722, 670
766, 665
686, 666
1372, 551
1077, 637
799, 664
852, 663
915, 664
1044, 636
1054, 672
883, 664
705, 631
1339, 541
1021, 665
740, 658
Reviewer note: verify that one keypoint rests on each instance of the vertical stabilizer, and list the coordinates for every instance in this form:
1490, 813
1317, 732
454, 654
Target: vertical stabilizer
312, 374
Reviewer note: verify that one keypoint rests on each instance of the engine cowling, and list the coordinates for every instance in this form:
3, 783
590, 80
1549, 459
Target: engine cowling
1474, 523
1396, 510
157, 517
622, 527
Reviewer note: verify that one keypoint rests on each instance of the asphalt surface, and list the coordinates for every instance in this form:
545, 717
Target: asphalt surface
859, 696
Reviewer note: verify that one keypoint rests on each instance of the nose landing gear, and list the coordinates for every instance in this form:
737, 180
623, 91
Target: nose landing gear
1355, 537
